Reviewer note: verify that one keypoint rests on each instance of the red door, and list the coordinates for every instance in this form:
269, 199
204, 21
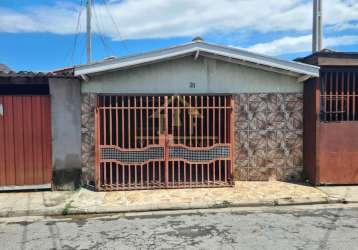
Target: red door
25, 141
146, 142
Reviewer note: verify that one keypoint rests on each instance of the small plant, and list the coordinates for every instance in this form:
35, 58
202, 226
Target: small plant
226, 203
67, 208
223, 204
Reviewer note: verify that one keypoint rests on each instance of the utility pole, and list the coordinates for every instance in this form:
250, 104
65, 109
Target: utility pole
89, 35
317, 26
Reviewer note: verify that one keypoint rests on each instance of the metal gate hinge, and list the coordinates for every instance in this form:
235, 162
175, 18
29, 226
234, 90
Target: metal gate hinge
1, 110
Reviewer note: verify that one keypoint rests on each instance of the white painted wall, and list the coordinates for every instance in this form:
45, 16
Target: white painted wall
176, 76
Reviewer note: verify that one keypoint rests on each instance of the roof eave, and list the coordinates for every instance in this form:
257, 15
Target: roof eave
194, 48
126, 63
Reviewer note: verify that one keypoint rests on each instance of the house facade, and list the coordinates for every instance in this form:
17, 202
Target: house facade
259, 102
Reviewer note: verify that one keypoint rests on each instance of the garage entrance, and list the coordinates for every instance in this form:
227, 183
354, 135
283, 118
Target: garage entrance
25, 141
172, 141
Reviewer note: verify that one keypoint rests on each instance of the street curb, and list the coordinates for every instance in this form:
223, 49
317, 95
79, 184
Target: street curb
168, 209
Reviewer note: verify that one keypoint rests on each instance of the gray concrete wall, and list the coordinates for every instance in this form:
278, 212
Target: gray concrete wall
66, 132
177, 76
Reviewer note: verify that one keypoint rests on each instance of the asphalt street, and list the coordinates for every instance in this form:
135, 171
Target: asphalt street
313, 227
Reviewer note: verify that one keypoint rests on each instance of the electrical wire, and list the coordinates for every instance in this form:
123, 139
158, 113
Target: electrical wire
106, 46
115, 25
72, 50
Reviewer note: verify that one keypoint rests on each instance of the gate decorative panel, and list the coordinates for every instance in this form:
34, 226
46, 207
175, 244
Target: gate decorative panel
145, 142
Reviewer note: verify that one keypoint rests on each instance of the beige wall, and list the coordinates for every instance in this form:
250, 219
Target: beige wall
176, 76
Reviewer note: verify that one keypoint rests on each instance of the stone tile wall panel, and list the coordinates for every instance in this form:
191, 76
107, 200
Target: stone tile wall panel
88, 107
269, 132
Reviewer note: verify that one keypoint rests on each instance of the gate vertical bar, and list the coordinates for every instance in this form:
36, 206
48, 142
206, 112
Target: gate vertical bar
173, 118
354, 95
190, 122
97, 143
147, 118
337, 100
159, 134
153, 119
110, 141
202, 121
122, 123
110, 120
331, 96
117, 124
141, 122
141, 137
104, 122
129, 122
166, 149
135, 121
185, 111
232, 134
207, 122
348, 96
129, 139
214, 120
342, 97
178, 123
196, 120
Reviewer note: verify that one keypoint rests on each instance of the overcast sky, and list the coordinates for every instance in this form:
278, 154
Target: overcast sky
43, 35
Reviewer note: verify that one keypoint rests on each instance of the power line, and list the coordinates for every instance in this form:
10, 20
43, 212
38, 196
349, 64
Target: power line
77, 32
115, 25
106, 46
72, 51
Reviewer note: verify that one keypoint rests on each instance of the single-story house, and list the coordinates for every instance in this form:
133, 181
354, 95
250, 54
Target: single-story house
196, 114
193, 115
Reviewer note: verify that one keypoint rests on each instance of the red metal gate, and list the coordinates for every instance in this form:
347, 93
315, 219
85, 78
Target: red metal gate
25, 141
146, 142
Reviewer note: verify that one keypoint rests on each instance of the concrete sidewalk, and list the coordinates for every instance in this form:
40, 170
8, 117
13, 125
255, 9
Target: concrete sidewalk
84, 201
345, 194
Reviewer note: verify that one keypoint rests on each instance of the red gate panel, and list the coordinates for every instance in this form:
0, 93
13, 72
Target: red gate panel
25, 140
146, 142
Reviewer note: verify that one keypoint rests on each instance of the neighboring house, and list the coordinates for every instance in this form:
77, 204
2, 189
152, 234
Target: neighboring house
39, 130
331, 115
194, 115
